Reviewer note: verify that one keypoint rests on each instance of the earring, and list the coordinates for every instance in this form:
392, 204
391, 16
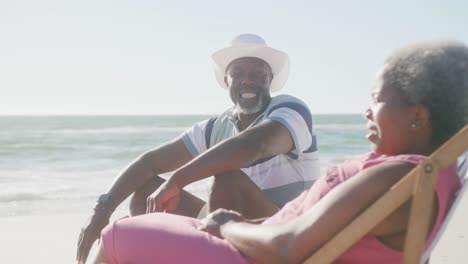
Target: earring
413, 125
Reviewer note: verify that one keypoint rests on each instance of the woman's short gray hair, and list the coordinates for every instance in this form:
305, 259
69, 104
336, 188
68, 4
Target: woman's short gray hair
436, 76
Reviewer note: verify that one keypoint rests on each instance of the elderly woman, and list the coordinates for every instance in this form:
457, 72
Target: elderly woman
419, 101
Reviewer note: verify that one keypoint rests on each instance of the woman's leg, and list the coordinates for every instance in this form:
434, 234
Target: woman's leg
164, 238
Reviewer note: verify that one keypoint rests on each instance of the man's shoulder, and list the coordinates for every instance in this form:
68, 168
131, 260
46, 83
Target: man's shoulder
287, 101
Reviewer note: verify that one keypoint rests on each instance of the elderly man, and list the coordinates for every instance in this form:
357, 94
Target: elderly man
262, 151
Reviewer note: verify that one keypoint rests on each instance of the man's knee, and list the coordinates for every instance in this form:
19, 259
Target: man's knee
236, 191
227, 182
137, 204
228, 187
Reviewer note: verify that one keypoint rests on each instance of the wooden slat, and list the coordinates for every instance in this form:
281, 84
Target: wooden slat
423, 196
388, 203
420, 213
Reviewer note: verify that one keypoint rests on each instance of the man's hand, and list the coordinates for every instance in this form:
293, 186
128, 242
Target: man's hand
214, 221
90, 233
165, 199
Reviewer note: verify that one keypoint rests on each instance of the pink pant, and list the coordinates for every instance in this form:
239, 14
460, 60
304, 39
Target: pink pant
165, 238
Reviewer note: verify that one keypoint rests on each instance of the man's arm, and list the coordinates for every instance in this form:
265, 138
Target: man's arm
264, 140
163, 159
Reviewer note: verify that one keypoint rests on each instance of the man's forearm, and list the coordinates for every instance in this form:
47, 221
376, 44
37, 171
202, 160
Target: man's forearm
264, 140
131, 179
165, 158
231, 154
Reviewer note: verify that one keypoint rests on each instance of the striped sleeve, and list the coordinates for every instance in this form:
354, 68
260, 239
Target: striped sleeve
197, 138
297, 118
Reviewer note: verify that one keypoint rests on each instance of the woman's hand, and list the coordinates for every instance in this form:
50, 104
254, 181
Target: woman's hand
214, 222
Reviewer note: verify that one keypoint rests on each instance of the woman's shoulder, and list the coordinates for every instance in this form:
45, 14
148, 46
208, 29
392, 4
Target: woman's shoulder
351, 167
373, 158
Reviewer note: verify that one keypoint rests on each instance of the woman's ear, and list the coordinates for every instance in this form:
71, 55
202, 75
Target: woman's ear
421, 117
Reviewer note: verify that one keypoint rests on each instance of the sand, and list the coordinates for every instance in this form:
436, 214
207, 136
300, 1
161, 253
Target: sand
40, 239
52, 239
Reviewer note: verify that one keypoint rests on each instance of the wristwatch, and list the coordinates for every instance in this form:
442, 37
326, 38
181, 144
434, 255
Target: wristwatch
105, 202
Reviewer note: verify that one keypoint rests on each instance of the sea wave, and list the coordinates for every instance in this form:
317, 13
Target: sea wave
118, 130
21, 196
27, 193
340, 126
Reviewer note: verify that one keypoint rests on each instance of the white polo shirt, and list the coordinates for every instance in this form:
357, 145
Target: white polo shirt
284, 175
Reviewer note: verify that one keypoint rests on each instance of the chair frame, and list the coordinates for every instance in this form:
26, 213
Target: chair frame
463, 173
419, 185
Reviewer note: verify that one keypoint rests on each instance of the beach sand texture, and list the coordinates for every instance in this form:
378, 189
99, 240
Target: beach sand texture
52, 239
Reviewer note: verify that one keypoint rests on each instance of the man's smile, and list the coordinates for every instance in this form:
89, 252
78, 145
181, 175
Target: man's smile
248, 95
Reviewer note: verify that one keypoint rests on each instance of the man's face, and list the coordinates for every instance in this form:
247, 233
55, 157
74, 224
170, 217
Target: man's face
249, 81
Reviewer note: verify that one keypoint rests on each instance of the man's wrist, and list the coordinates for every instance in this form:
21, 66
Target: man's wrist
105, 204
178, 180
101, 210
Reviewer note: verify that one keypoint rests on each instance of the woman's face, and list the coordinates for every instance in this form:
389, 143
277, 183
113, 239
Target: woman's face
390, 120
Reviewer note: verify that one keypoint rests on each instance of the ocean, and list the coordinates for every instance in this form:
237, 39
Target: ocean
60, 164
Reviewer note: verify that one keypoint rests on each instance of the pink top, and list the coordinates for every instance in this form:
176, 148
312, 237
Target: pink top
369, 249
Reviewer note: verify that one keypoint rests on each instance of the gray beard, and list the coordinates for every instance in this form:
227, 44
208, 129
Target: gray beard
251, 110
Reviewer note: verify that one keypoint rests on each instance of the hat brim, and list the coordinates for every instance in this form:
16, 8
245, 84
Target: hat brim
278, 61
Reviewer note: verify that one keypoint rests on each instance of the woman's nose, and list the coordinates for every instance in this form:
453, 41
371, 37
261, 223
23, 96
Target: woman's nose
368, 113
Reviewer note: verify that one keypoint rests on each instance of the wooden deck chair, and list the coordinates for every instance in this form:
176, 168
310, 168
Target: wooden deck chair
463, 173
419, 185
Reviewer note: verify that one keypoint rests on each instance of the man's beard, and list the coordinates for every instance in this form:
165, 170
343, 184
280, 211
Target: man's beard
251, 109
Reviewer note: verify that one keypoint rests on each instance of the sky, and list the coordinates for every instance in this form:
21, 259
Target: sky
109, 57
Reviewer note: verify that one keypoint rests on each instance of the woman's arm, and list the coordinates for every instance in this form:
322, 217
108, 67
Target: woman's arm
297, 239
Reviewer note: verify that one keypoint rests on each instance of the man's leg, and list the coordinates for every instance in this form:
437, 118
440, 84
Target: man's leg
189, 205
236, 191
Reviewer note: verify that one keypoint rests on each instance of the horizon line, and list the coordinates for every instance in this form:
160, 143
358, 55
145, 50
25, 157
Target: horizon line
138, 114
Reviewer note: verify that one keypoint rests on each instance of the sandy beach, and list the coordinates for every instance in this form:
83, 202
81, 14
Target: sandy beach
41, 239
52, 239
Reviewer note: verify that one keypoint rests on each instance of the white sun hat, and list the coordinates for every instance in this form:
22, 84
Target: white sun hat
251, 45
